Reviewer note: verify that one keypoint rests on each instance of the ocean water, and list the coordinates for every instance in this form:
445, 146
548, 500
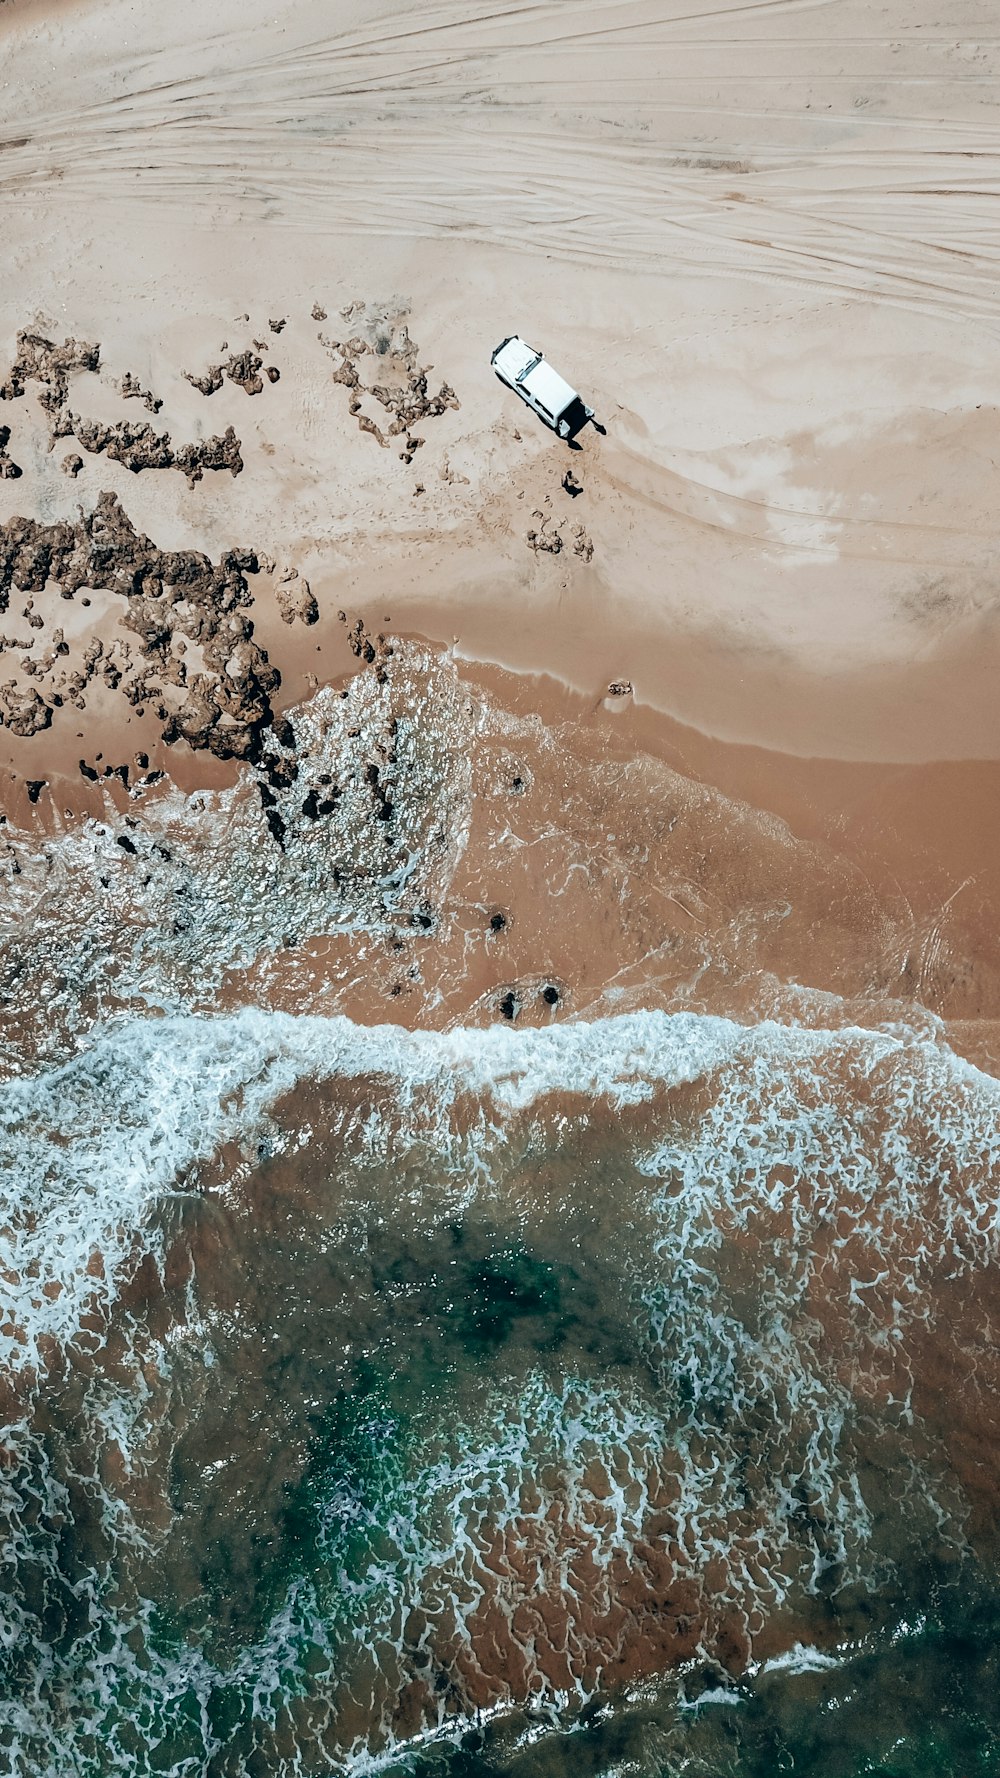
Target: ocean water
614, 1397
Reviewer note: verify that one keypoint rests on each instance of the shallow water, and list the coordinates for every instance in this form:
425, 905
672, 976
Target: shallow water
490, 1401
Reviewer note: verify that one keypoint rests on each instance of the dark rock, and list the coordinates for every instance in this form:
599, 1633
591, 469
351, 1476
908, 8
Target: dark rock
42, 361
24, 712
139, 448
227, 705
132, 389
244, 370
9, 470
125, 843
210, 382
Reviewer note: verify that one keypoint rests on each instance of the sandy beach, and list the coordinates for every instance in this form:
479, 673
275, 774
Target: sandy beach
760, 241
545, 899
734, 233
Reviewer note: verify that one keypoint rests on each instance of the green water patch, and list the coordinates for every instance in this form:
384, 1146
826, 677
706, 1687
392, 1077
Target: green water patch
347, 1359
465, 1296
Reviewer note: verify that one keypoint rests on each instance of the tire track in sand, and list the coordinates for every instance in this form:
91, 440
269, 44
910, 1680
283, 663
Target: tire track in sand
457, 123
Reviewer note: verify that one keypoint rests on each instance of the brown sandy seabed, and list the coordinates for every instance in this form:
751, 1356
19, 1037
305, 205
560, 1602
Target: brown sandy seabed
613, 853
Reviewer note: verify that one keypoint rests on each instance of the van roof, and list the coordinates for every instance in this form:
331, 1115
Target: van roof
548, 387
542, 382
514, 356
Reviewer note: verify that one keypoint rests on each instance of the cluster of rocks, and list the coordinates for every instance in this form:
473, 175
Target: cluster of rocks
22, 709
9, 470
174, 599
512, 1001
402, 388
374, 654
41, 361
317, 790
243, 369
132, 390
121, 772
351, 817
139, 447
549, 539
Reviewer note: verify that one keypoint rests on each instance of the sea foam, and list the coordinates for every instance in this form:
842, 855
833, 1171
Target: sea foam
792, 1128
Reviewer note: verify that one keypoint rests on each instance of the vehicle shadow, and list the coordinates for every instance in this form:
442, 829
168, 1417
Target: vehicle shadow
573, 442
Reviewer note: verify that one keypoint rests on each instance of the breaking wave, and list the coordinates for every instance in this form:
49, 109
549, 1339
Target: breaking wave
363, 1386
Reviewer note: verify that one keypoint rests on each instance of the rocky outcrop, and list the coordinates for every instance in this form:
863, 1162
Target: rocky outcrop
23, 710
139, 447
9, 470
209, 383
548, 539
400, 385
41, 361
131, 390
295, 598
243, 369
173, 598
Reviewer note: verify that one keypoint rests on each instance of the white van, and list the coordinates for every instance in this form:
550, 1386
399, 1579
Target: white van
525, 371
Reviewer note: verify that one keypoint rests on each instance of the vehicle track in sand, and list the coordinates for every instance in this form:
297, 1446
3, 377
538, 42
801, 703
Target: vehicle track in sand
862, 166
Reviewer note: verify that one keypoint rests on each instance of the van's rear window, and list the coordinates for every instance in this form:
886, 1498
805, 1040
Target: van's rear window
575, 415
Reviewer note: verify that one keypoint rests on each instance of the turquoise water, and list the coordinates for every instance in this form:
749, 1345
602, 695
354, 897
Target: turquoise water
487, 1404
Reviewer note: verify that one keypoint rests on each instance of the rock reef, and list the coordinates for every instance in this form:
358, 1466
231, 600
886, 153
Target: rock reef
137, 447
174, 599
401, 386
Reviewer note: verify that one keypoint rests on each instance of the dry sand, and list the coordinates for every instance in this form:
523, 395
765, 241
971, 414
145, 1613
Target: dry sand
760, 239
